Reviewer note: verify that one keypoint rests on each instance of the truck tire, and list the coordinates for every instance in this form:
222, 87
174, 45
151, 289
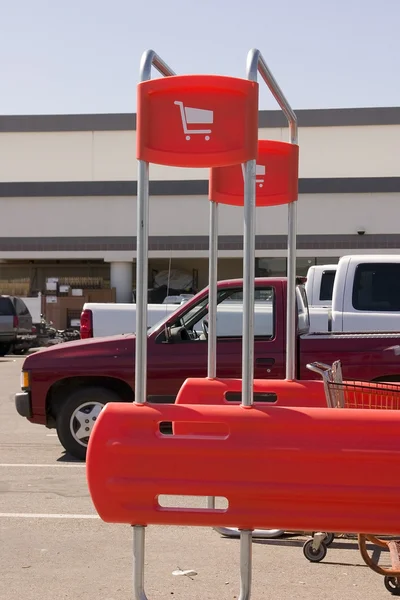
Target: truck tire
4, 349
77, 415
20, 351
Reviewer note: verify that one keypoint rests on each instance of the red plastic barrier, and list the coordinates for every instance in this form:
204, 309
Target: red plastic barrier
200, 390
277, 392
312, 469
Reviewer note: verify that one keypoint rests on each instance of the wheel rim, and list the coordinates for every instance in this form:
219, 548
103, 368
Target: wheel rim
313, 554
392, 584
82, 421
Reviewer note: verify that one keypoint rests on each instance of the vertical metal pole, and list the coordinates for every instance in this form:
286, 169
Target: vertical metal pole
291, 294
212, 304
256, 63
139, 533
212, 292
291, 278
245, 564
248, 282
142, 282
149, 59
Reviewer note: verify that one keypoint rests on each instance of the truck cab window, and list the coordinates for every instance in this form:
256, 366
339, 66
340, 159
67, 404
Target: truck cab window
377, 287
327, 281
192, 326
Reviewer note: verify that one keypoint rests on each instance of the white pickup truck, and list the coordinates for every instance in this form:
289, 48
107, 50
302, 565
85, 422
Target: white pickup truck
365, 294
101, 319
229, 318
319, 290
319, 285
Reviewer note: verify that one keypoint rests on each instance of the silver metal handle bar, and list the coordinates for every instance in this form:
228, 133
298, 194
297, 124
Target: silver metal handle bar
233, 532
151, 59
319, 367
256, 64
327, 377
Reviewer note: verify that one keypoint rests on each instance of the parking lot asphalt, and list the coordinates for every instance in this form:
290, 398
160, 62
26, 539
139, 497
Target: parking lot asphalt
53, 546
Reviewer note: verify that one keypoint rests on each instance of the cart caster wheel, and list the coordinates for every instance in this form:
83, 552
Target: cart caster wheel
329, 538
314, 555
392, 584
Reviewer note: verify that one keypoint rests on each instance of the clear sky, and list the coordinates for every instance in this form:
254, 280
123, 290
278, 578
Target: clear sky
82, 56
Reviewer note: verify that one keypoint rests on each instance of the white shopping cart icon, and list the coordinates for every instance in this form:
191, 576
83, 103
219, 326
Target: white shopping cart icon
195, 116
260, 174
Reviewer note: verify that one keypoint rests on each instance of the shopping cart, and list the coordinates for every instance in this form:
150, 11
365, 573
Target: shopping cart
358, 395
316, 548
195, 116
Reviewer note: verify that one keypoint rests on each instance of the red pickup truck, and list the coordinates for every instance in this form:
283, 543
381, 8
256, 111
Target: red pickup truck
67, 385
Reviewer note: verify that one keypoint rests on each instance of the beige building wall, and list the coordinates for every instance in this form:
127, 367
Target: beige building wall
362, 151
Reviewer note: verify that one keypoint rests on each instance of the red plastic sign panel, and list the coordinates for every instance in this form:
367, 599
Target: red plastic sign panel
197, 121
276, 177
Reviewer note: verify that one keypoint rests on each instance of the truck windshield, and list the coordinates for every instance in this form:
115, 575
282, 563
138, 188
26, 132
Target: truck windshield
193, 314
154, 327
196, 310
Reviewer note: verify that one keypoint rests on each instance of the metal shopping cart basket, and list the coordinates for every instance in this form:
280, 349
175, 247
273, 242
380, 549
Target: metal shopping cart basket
358, 395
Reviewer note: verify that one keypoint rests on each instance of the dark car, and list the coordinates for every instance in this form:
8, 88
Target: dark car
15, 323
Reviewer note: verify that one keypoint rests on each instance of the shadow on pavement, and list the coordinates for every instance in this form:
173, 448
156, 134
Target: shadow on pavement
69, 458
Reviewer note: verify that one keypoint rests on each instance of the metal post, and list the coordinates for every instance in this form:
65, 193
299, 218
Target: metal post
142, 252
245, 564
248, 282
139, 533
149, 59
255, 64
291, 294
291, 278
212, 304
212, 292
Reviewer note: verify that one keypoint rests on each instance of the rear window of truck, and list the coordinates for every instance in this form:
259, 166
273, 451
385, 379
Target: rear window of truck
6, 307
327, 281
377, 287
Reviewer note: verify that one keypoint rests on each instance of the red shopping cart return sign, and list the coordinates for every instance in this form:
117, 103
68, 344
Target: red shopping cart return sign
197, 121
276, 177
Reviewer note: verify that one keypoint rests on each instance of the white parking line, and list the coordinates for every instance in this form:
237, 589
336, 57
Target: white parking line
45, 516
51, 435
43, 466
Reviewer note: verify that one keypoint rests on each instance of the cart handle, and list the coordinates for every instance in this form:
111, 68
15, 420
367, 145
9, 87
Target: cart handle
318, 367
151, 59
256, 63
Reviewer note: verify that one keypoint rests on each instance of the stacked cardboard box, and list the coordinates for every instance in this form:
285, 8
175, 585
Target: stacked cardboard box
63, 302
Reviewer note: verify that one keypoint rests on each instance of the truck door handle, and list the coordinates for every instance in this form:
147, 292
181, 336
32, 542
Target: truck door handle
265, 361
